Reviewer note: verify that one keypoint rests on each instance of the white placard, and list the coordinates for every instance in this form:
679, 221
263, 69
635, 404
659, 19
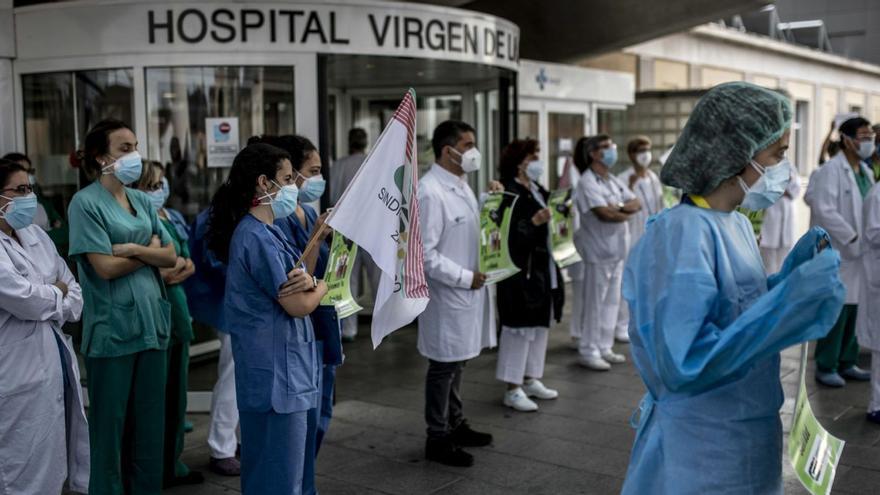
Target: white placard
223, 142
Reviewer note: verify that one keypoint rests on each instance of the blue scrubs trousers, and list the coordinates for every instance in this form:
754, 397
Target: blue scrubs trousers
318, 422
273, 452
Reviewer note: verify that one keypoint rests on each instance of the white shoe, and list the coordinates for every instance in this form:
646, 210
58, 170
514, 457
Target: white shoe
594, 363
623, 338
518, 400
537, 389
613, 358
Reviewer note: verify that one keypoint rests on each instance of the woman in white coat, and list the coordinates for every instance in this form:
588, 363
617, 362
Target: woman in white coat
868, 320
44, 439
777, 231
835, 195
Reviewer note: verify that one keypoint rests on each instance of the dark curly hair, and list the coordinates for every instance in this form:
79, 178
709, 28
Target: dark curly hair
513, 155
235, 197
297, 146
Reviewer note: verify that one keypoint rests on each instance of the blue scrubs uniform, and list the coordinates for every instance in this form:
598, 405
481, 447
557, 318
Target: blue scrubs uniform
707, 328
276, 374
205, 289
328, 333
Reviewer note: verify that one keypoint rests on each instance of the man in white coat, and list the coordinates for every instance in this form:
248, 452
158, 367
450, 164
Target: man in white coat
868, 321
777, 231
835, 196
459, 320
605, 205
645, 184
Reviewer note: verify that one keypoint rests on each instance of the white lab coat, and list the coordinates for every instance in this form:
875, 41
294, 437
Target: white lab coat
598, 241
777, 231
43, 441
458, 322
836, 206
868, 320
650, 194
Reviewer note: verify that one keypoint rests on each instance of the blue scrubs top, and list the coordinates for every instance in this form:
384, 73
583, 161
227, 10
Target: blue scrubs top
205, 289
706, 330
324, 319
275, 354
179, 222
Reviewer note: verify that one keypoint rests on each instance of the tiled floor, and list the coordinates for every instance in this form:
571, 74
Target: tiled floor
579, 443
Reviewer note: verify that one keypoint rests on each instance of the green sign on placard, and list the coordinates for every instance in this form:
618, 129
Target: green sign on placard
495, 259
812, 451
338, 277
562, 228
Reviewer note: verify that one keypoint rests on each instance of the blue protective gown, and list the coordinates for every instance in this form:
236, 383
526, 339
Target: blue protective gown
328, 335
276, 374
706, 335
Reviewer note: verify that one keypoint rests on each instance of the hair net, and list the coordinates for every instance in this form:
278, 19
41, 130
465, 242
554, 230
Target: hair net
729, 125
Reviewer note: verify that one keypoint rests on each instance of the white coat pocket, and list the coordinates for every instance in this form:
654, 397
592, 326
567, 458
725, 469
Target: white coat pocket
22, 365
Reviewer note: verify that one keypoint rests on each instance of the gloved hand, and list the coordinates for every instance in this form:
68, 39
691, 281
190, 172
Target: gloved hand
804, 250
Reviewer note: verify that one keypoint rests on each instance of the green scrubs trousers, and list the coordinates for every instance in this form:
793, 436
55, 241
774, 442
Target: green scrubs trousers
127, 422
839, 350
175, 408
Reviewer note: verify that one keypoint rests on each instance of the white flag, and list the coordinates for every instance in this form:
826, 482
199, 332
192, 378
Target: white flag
379, 211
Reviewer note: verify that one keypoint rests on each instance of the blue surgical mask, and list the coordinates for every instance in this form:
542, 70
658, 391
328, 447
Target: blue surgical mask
126, 168
535, 170
159, 196
283, 202
769, 188
609, 156
312, 188
20, 211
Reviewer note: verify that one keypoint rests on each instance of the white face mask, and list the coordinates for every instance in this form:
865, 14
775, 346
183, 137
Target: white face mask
469, 161
643, 158
535, 170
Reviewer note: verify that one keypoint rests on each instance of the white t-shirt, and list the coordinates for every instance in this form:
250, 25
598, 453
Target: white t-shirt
598, 241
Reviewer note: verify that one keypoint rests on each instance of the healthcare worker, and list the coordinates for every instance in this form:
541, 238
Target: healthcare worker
205, 291
835, 196
777, 230
267, 308
605, 205
868, 320
300, 228
119, 246
645, 184
46, 217
459, 320
576, 270
708, 324
44, 443
528, 299
174, 471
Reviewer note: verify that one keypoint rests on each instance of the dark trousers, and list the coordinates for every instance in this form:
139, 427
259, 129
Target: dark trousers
443, 397
839, 350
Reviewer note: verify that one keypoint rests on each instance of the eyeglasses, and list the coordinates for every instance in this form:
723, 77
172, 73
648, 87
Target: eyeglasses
22, 189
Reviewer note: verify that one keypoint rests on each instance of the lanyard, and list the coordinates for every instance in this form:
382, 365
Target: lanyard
699, 201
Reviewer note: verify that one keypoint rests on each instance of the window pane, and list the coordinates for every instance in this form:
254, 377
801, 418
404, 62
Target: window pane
179, 99
102, 94
564, 129
49, 130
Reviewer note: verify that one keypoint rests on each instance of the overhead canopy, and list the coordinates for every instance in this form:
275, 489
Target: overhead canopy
566, 30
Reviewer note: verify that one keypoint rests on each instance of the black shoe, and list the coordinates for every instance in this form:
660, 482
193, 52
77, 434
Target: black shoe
464, 436
192, 478
442, 450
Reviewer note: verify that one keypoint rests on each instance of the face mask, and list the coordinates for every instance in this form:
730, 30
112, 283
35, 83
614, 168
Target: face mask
126, 168
609, 156
643, 158
866, 149
159, 196
283, 202
470, 159
20, 211
769, 188
535, 170
312, 188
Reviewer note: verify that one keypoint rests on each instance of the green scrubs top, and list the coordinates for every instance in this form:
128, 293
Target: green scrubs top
131, 313
181, 321
864, 183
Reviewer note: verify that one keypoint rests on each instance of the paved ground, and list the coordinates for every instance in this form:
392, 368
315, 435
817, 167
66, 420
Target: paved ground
579, 443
